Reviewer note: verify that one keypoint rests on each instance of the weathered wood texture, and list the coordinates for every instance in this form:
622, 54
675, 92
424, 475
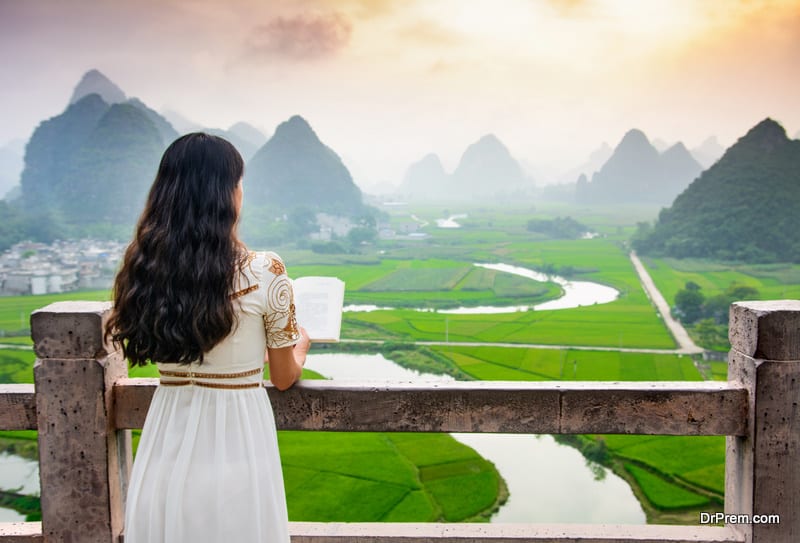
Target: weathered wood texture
309, 532
79, 462
17, 407
533, 408
762, 466
21, 532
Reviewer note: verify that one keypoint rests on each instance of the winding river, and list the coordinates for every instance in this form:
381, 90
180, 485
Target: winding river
547, 482
574, 294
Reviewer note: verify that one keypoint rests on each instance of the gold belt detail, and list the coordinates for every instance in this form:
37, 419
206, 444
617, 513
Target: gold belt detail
187, 382
197, 375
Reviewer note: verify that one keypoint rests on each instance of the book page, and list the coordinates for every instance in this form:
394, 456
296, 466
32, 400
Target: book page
318, 303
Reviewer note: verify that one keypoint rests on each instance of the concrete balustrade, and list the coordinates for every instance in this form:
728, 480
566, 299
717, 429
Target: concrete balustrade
84, 405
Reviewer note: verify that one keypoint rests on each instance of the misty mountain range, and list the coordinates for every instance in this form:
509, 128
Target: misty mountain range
249, 139
87, 170
745, 207
636, 172
486, 169
92, 164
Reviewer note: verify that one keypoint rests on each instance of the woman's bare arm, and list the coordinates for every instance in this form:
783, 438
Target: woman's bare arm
286, 363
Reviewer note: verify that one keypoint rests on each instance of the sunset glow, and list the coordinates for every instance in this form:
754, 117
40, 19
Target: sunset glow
386, 81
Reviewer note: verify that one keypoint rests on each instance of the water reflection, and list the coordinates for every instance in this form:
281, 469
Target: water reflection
20, 475
574, 294
547, 482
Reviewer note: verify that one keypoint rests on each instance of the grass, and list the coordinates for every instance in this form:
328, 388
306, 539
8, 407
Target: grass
699, 460
370, 477
512, 364
15, 311
773, 281
617, 324
343, 476
673, 472
664, 494
401, 477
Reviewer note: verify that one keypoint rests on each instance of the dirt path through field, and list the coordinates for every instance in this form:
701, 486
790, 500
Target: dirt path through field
686, 345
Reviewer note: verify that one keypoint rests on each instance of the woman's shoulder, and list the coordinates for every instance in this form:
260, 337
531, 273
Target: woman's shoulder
260, 263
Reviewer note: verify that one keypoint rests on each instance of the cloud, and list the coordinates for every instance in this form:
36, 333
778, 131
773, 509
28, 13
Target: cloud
430, 33
300, 37
572, 8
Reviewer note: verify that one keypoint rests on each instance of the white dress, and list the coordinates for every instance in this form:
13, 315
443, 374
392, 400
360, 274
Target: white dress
207, 467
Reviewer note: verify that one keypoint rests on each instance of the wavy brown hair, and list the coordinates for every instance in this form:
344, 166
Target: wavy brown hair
172, 298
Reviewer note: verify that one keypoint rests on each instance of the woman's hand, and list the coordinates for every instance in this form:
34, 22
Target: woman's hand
302, 346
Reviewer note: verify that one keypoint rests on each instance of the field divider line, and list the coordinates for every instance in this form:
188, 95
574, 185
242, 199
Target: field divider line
519, 346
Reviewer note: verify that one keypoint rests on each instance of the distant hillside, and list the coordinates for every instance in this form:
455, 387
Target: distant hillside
745, 207
708, 152
90, 167
487, 169
295, 169
425, 178
249, 133
52, 147
165, 130
94, 82
109, 176
246, 146
637, 173
11, 163
597, 158
181, 123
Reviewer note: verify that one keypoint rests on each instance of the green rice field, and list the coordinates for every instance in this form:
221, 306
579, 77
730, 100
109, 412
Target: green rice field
420, 477
773, 281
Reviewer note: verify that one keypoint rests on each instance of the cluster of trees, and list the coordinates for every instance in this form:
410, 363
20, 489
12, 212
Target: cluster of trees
708, 317
558, 228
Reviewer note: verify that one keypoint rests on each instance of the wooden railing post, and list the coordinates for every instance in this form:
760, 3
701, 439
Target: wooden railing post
83, 460
763, 467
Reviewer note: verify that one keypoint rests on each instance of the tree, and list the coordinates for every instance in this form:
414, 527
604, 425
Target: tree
361, 234
689, 303
302, 221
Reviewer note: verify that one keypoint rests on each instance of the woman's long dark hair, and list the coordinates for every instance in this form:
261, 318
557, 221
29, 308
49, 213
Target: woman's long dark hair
172, 296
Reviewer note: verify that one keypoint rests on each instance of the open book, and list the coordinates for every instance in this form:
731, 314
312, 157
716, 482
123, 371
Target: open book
318, 302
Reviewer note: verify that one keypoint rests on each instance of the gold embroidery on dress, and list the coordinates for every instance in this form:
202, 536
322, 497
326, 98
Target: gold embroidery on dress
291, 322
279, 294
277, 267
279, 333
240, 293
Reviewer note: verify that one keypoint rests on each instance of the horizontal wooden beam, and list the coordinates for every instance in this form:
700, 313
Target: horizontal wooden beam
17, 407
312, 532
657, 408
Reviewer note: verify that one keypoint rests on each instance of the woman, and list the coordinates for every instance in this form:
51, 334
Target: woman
192, 299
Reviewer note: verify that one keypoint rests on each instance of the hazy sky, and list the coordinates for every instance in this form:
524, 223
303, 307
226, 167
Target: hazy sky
385, 82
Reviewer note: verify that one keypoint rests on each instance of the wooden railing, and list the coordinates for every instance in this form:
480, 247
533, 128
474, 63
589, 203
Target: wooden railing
83, 405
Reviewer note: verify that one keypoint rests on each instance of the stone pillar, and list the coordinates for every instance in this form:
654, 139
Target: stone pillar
763, 468
83, 460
